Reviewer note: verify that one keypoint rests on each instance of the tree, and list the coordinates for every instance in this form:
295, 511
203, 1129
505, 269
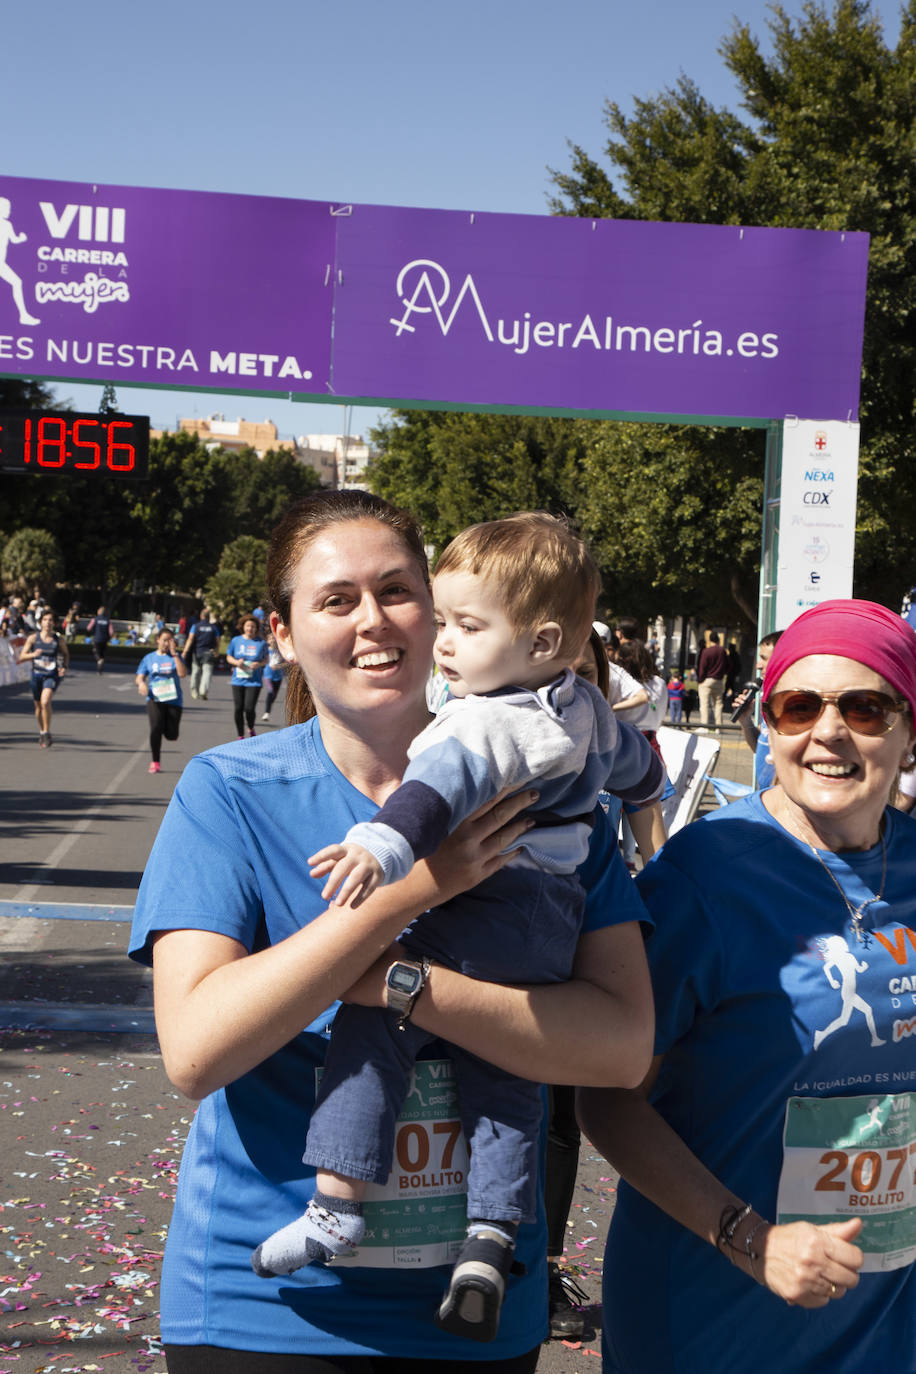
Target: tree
183, 517
239, 583
21, 393
830, 146
168, 531
452, 470
266, 487
673, 515
32, 558
108, 405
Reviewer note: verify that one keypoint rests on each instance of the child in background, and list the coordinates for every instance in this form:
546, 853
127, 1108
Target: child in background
514, 601
691, 693
675, 697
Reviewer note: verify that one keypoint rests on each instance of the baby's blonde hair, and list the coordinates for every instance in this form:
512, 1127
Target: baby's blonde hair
541, 569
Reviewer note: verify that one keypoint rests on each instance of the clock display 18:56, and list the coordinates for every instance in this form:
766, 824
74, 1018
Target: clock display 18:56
54, 441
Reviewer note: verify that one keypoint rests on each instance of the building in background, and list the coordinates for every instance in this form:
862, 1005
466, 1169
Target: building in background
339, 459
215, 431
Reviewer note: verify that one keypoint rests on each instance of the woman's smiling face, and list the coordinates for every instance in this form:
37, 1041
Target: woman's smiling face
836, 783
361, 625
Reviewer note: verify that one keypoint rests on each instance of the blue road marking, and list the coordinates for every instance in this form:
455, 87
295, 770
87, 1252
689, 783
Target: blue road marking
77, 1017
67, 911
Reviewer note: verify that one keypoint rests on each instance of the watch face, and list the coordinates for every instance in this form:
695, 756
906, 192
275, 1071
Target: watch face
402, 978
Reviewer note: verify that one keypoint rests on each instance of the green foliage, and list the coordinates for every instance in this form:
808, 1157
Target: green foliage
658, 503
673, 515
679, 159
830, 145
185, 515
167, 532
21, 393
266, 487
32, 558
452, 470
239, 583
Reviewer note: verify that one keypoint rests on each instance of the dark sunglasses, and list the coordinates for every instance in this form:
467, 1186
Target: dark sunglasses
864, 711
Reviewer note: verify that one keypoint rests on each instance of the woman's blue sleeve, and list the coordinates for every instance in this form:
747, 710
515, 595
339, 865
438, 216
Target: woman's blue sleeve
611, 895
200, 826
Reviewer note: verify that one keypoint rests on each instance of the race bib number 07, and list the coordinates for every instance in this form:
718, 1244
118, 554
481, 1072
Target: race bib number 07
854, 1157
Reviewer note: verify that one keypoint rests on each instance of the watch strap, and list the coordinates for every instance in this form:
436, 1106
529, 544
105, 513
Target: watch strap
422, 967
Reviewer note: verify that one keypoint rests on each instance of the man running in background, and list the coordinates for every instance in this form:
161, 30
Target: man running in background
100, 629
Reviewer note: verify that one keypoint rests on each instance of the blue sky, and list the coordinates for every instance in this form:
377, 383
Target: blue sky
407, 103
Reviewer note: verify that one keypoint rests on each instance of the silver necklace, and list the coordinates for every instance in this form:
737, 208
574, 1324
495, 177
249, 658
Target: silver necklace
857, 912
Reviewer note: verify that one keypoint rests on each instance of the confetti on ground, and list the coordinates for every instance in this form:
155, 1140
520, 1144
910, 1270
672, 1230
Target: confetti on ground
91, 1134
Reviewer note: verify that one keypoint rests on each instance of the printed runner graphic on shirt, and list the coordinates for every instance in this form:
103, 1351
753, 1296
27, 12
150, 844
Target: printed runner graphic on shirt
854, 1157
840, 960
419, 1217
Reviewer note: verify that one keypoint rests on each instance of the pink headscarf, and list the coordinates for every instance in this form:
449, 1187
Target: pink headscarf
860, 630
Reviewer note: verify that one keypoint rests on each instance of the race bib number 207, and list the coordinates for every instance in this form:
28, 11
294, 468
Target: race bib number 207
854, 1157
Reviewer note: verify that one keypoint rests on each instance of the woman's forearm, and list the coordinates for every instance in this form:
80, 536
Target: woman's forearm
221, 1011
749, 729
595, 1029
653, 1158
632, 701
808, 1265
649, 831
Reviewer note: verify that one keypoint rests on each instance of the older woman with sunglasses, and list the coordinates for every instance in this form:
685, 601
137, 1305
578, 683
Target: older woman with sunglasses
768, 1218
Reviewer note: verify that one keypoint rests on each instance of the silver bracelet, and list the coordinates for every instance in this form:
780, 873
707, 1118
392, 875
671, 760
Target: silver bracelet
729, 1222
753, 1255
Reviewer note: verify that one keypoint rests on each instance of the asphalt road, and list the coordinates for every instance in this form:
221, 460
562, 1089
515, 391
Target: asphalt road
77, 820
91, 1131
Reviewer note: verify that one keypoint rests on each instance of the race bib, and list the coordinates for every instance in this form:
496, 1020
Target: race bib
419, 1217
854, 1157
244, 670
164, 689
46, 665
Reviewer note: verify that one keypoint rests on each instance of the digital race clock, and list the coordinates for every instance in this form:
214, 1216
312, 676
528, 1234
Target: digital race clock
54, 441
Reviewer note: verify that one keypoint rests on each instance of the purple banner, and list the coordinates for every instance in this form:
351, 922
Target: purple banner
206, 291
174, 288
609, 315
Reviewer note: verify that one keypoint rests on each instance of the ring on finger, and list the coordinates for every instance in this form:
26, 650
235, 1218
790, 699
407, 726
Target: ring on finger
833, 1290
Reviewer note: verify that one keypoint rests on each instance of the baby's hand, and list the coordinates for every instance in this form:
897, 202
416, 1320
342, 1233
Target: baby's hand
358, 870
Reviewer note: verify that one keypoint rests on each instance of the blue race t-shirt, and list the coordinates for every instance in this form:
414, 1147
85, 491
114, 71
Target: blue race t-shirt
163, 682
206, 637
257, 810
764, 994
254, 652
